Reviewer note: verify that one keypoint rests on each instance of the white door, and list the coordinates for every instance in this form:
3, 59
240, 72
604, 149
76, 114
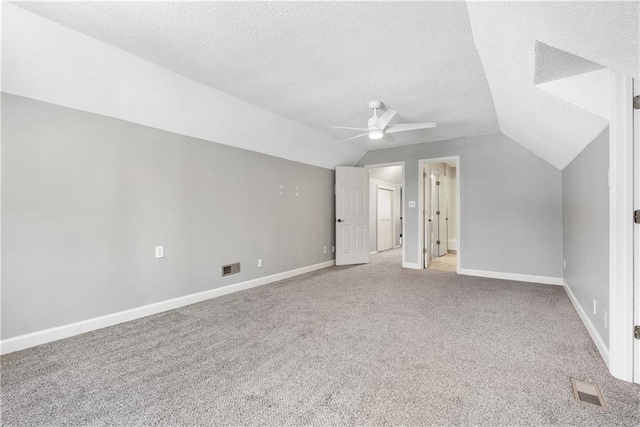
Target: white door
443, 204
352, 215
433, 215
636, 233
385, 226
426, 183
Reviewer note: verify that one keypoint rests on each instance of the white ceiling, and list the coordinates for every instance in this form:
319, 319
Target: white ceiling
319, 63
505, 34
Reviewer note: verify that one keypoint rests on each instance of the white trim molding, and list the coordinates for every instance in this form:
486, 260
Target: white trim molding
595, 336
48, 335
545, 280
621, 227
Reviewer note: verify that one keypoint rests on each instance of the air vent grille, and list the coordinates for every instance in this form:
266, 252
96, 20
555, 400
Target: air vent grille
589, 393
230, 269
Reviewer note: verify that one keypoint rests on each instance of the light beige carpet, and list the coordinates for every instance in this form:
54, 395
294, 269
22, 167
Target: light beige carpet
359, 345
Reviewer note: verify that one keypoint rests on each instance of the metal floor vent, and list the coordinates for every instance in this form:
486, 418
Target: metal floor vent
589, 393
230, 269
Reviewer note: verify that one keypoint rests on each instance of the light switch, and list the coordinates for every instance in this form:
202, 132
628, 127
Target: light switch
412, 203
159, 251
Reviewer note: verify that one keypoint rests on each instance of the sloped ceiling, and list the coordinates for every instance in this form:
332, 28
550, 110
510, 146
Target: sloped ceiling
318, 63
467, 66
505, 34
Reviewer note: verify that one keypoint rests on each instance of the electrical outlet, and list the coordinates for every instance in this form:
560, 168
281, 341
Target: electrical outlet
259, 262
333, 248
325, 249
564, 263
594, 306
159, 252
412, 203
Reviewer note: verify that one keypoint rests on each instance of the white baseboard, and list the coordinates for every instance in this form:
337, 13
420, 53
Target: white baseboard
593, 332
48, 335
411, 265
545, 280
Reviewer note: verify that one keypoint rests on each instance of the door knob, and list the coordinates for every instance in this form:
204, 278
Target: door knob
339, 220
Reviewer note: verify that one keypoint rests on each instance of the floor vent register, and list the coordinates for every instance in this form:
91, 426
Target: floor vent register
589, 393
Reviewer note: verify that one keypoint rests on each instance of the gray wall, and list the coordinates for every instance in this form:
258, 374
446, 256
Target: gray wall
85, 198
511, 203
585, 209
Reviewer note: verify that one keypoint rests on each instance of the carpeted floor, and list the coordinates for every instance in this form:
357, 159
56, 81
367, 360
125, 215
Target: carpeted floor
359, 345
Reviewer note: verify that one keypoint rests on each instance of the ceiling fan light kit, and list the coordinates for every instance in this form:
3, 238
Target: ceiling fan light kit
376, 125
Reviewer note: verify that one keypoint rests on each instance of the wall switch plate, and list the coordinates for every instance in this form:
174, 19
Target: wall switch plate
594, 306
564, 263
159, 252
325, 249
412, 203
259, 262
333, 248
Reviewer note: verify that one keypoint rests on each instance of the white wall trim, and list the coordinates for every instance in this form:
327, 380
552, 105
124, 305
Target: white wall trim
411, 265
48, 335
545, 280
595, 336
621, 227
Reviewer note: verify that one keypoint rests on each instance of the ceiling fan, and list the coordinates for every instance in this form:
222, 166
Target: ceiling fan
378, 126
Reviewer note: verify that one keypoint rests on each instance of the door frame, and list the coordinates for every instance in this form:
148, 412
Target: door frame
393, 223
620, 358
421, 203
402, 202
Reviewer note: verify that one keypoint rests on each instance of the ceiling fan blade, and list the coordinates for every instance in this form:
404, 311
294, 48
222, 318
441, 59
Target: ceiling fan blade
353, 137
343, 127
384, 119
409, 126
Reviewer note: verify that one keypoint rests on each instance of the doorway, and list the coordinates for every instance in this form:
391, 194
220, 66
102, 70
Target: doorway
386, 182
440, 217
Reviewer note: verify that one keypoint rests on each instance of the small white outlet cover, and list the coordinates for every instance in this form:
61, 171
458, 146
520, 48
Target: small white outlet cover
594, 306
325, 249
412, 203
564, 263
259, 262
159, 252
333, 248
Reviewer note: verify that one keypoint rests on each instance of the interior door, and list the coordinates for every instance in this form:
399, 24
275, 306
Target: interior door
352, 215
443, 204
435, 214
385, 231
426, 185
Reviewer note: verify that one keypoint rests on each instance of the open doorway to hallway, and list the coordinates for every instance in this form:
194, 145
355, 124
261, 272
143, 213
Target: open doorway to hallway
386, 184
440, 213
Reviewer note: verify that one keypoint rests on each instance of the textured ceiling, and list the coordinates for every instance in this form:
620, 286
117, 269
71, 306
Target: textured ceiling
318, 63
505, 34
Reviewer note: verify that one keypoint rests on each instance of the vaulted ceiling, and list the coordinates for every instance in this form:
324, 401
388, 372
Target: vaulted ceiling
467, 66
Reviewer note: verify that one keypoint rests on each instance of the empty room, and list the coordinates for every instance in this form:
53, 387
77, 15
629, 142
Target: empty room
320, 213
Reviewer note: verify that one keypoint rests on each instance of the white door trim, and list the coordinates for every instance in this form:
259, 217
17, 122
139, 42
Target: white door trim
621, 227
403, 211
421, 166
636, 233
